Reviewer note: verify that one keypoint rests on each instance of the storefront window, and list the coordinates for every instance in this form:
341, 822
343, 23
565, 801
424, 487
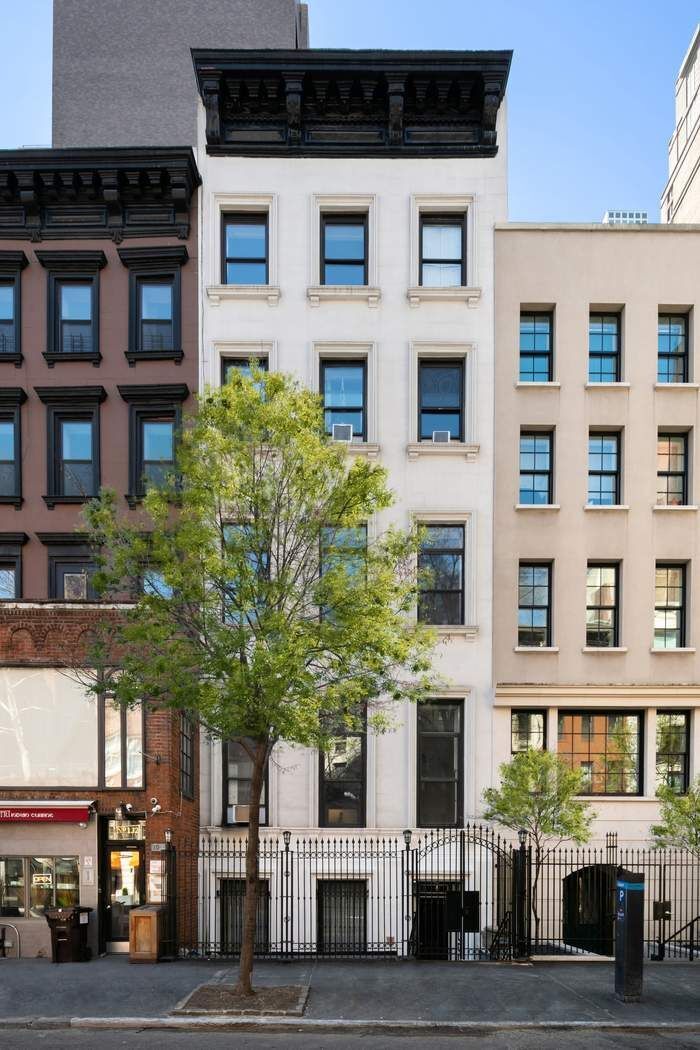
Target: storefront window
41, 885
11, 886
67, 886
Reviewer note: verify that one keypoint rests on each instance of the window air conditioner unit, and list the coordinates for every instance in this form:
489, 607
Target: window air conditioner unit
342, 431
441, 437
241, 814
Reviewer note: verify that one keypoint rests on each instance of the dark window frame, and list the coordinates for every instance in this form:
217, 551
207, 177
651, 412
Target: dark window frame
250, 218
437, 363
548, 565
449, 219
264, 805
682, 356
528, 712
615, 565
535, 472
339, 362
71, 267
608, 713
81, 404
66, 549
667, 474
11, 265
683, 619
154, 403
536, 315
343, 219
187, 739
105, 698
670, 754
323, 821
458, 779
599, 355
444, 550
11, 544
151, 264
11, 401
616, 474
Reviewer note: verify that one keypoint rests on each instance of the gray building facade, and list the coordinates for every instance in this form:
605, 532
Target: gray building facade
122, 71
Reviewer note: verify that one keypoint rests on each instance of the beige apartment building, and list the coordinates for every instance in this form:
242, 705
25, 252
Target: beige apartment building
680, 200
597, 486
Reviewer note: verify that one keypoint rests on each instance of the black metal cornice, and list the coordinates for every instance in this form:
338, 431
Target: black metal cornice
352, 103
116, 193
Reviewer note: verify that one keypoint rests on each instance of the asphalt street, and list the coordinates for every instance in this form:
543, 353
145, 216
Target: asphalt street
571, 1040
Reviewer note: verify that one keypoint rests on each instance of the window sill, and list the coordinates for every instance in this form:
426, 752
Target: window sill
536, 384
363, 448
133, 499
674, 508
617, 798
133, 356
604, 649
420, 294
56, 357
676, 386
536, 649
681, 649
606, 507
416, 449
52, 501
456, 630
240, 292
11, 359
343, 293
537, 506
607, 386
13, 501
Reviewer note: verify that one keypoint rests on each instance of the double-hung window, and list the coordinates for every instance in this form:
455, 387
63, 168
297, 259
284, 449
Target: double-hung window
75, 457
536, 347
73, 454
11, 265
238, 776
441, 575
603, 469
534, 605
669, 606
673, 750
344, 249
155, 292
154, 420
343, 548
671, 470
441, 399
156, 312
606, 747
71, 567
440, 751
73, 322
673, 349
344, 389
246, 254
602, 605
8, 326
122, 745
527, 731
10, 458
342, 780
74, 317
187, 743
536, 468
604, 348
11, 565
443, 251
243, 365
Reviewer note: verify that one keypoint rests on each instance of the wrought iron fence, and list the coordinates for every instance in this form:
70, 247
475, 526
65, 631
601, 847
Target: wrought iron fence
438, 895
456, 894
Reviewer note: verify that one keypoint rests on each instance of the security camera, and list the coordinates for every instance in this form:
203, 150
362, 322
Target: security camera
154, 801
155, 806
128, 807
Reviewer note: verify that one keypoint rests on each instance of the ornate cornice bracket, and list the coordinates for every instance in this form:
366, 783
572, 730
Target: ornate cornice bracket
396, 90
293, 89
211, 97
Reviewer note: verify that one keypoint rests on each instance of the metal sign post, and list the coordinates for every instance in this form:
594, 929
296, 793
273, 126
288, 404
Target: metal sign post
629, 935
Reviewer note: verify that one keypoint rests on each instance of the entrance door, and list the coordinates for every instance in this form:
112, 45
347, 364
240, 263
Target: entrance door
123, 889
588, 897
432, 928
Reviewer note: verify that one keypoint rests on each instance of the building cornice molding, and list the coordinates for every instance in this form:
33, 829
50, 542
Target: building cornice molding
338, 103
154, 256
91, 193
12, 395
72, 260
148, 394
59, 395
11, 262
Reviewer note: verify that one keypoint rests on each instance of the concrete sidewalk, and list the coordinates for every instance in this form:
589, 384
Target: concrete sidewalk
370, 993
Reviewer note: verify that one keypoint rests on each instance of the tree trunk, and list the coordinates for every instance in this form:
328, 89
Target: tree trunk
250, 903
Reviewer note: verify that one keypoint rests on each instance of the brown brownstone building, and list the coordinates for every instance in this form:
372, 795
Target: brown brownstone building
98, 363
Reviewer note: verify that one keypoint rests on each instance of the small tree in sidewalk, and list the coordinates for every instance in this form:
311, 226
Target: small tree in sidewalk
538, 794
263, 611
679, 819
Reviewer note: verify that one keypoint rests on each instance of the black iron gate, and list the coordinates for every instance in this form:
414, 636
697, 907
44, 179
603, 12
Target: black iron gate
459, 894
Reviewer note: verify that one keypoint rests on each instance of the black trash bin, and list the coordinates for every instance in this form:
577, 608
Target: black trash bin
69, 929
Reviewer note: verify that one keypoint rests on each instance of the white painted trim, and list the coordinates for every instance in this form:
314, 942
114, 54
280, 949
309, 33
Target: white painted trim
661, 508
222, 349
537, 506
340, 350
343, 293
419, 294
218, 293
605, 508
260, 203
359, 203
443, 204
442, 351
550, 385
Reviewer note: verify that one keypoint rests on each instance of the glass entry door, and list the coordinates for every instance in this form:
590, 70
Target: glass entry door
124, 890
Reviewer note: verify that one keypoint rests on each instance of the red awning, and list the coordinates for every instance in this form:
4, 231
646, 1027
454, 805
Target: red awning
61, 811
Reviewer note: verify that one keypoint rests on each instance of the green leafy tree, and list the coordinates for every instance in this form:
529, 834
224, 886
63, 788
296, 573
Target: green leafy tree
538, 793
263, 614
679, 819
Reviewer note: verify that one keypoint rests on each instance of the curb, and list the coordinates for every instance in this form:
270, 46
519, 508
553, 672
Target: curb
320, 1025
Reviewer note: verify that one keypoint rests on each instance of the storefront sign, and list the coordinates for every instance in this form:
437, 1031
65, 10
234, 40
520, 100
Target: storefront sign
126, 830
44, 813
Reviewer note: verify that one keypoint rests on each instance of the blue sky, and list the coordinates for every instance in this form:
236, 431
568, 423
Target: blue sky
590, 97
